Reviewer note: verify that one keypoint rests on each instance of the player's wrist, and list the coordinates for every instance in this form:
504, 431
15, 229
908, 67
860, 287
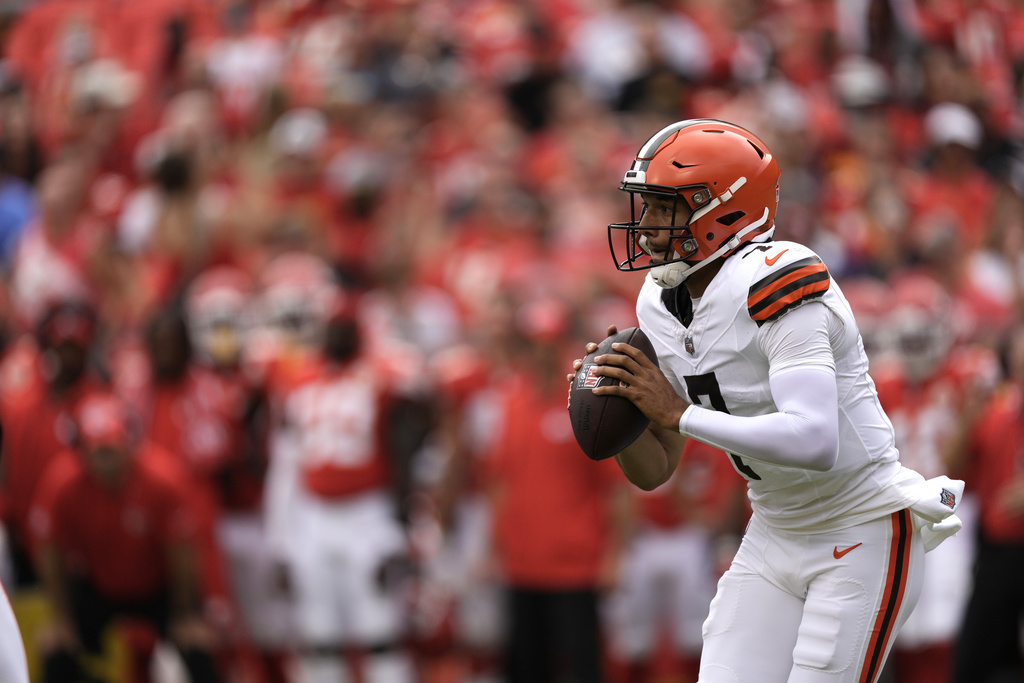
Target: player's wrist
681, 422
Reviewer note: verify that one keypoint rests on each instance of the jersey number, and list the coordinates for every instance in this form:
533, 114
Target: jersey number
706, 386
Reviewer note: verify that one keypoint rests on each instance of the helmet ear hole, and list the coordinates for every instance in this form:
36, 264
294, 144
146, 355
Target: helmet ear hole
730, 218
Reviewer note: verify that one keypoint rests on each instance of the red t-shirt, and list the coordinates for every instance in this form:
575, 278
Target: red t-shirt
552, 513
117, 539
997, 451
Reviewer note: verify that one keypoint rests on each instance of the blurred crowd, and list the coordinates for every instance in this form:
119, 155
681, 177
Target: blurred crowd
290, 288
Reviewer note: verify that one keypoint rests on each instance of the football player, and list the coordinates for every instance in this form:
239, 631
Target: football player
933, 398
334, 491
760, 356
223, 439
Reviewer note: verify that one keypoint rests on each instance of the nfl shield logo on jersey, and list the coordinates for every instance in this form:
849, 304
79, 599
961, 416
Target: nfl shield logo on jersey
688, 344
948, 498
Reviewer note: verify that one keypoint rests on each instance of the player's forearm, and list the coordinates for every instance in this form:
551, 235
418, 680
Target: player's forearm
649, 461
778, 438
804, 433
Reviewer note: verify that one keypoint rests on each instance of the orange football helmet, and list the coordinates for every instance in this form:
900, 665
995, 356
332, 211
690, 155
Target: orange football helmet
724, 183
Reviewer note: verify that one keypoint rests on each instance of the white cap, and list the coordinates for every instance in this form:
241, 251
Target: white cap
952, 123
300, 132
105, 82
860, 81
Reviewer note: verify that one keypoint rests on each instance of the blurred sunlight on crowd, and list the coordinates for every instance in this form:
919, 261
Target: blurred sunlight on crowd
211, 211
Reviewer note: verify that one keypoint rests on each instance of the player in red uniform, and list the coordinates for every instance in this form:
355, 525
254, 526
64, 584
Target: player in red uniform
223, 437
188, 414
931, 398
457, 611
338, 460
115, 539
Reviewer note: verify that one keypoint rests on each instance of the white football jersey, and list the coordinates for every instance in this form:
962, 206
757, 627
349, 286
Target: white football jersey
716, 362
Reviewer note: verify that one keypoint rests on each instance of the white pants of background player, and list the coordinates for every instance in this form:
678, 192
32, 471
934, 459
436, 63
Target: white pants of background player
667, 579
463, 567
266, 612
335, 555
789, 610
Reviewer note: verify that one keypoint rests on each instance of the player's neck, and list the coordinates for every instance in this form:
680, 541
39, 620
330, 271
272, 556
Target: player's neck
699, 281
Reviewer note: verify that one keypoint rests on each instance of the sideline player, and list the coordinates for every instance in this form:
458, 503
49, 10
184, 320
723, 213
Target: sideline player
761, 357
933, 396
334, 491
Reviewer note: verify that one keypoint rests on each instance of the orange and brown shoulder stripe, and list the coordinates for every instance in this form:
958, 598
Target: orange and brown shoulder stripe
787, 288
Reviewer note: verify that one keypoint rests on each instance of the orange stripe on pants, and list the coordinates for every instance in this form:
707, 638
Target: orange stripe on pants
892, 597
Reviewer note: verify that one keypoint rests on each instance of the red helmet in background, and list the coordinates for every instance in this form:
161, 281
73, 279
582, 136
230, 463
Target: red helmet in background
724, 183
298, 295
921, 323
217, 309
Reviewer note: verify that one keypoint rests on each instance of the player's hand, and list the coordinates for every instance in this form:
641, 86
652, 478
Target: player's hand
190, 631
643, 383
578, 363
587, 350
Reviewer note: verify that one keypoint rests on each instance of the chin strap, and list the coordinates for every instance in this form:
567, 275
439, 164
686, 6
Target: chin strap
673, 274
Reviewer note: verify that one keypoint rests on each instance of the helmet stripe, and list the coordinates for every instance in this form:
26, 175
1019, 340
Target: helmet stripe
646, 153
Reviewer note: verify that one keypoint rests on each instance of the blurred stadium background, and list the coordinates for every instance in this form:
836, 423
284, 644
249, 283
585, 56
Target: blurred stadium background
191, 191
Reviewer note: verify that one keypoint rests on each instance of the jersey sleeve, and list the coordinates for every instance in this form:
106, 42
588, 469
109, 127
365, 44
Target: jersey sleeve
787, 279
801, 338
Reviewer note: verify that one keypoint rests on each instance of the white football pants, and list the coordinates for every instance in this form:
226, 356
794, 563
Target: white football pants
813, 607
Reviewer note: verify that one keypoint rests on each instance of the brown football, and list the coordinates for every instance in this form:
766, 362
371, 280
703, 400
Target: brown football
604, 425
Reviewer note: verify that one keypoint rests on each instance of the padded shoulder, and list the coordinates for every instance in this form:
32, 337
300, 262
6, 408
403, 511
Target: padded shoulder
786, 275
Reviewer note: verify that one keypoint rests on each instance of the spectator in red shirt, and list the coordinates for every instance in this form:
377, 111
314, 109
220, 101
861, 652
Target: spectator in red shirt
990, 635
115, 539
555, 518
58, 375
